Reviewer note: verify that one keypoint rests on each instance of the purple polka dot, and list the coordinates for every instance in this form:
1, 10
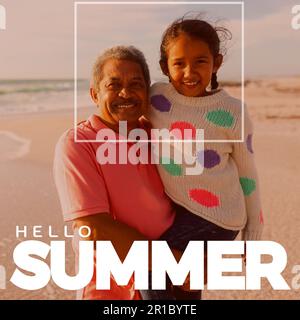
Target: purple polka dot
161, 103
210, 157
249, 143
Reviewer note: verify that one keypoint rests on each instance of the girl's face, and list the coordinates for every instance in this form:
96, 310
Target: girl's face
190, 65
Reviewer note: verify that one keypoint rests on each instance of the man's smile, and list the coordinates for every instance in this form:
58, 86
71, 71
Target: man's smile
126, 104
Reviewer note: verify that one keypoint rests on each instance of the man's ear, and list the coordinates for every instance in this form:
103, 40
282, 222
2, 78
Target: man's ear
164, 68
217, 63
94, 95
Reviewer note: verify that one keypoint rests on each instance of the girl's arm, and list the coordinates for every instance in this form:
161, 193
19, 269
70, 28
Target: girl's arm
243, 155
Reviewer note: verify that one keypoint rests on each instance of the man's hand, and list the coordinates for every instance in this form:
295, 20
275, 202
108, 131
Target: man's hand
104, 227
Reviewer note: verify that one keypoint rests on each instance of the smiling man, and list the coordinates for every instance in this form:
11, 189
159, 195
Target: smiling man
120, 89
121, 203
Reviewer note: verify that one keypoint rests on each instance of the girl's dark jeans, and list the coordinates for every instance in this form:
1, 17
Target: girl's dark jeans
186, 227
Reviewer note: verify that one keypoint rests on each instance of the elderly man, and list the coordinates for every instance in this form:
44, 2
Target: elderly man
119, 202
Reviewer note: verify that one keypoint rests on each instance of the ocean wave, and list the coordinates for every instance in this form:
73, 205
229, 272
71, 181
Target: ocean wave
8, 87
35, 96
34, 90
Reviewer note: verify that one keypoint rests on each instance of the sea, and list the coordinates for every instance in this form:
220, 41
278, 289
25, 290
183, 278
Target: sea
35, 96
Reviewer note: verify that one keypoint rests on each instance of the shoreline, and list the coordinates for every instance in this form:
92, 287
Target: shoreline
42, 130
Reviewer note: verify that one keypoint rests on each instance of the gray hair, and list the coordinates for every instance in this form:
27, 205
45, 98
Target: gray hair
130, 53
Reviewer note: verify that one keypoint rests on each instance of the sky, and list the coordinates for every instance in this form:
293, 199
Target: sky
38, 42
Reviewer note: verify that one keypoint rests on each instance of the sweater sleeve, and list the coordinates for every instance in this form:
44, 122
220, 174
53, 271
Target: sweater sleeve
243, 155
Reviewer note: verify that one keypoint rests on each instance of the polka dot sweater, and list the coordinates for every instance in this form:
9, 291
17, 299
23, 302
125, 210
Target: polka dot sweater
227, 191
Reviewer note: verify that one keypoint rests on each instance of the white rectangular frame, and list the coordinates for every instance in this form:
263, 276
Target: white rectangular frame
241, 3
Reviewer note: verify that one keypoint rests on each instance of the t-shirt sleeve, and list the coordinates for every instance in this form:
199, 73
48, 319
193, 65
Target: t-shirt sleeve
79, 179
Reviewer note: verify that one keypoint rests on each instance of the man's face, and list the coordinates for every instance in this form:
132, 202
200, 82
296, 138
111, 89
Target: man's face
122, 94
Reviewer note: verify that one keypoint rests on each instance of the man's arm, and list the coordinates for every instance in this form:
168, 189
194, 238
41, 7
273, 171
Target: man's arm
104, 227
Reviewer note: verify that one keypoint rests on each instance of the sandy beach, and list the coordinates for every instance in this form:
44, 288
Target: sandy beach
28, 194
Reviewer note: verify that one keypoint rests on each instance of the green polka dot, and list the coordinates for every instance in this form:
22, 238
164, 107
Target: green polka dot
221, 118
171, 167
248, 185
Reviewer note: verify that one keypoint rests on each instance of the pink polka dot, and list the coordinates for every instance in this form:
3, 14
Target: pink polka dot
182, 126
204, 197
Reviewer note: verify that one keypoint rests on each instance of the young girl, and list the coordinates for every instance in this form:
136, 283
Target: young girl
224, 199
